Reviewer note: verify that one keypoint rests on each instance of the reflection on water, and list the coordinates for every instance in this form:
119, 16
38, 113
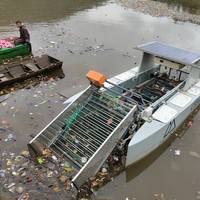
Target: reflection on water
191, 6
41, 10
141, 165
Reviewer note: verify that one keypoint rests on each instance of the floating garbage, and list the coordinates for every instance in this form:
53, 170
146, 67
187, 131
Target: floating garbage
9, 162
2, 129
25, 153
83, 159
194, 154
189, 124
104, 170
54, 157
177, 152
11, 185
46, 152
2, 173
110, 121
63, 179
11, 137
4, 103
24, 197
51, 165
52, 42
19, 189
40, 160
29, 178
49, 174
15, 173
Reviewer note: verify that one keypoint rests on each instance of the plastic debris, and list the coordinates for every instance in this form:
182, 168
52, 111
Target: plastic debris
46, 152
56, 189
9, 162
49, 174
2, 173
18, 158
4, 103
63, 179
2, 129
23, 174
40, 160
194, 154
12, 189
189, 124
115, 158
15, 173
24, 197
52, 42
83, 159
11, 185
51, 165
24, 153
19, 189
110, 121
67, 167
29, 178
177, 152
42, 102
104, 170
11, 137
198, 195
54, 157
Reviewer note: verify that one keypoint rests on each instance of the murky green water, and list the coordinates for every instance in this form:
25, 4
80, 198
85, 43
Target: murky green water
41, 10
191, 6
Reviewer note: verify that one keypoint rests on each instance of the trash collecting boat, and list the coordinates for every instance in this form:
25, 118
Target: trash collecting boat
16, 72
18, 50
146, 104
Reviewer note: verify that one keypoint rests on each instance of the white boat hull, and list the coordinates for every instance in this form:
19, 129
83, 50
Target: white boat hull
152, 134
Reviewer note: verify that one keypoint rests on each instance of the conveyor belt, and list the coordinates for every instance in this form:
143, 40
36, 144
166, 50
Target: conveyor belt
84, 132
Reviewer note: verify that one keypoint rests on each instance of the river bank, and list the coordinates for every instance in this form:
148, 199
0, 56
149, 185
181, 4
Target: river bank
160, 9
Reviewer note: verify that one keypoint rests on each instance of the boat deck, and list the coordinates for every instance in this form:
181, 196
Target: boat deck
15, 72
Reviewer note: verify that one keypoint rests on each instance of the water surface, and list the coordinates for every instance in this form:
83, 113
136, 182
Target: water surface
191, 6
110, 32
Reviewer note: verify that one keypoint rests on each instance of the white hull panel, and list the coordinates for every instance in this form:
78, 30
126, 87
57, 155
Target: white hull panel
152, 134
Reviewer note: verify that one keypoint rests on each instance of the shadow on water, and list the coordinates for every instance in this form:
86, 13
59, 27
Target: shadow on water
137, 168
191, 6
41, 10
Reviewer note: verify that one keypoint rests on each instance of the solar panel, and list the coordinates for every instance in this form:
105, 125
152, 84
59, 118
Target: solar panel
170, 53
